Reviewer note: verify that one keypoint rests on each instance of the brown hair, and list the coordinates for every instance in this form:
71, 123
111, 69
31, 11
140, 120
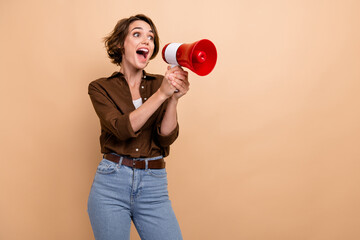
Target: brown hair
117, 37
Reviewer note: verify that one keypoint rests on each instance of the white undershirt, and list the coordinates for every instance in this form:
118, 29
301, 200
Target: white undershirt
137, 103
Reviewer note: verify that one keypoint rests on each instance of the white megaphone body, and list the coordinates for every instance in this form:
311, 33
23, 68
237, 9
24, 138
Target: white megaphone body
200, 57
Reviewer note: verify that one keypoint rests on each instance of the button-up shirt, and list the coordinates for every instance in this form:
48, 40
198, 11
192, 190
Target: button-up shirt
113, 104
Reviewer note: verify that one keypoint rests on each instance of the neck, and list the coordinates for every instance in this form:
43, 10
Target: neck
132, 75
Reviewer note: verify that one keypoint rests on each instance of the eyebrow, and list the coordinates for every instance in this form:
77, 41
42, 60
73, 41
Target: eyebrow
139, 28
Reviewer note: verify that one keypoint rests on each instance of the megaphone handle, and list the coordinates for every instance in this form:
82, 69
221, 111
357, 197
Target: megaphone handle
172, 66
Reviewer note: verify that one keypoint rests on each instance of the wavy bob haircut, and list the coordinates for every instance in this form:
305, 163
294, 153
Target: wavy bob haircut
114, 42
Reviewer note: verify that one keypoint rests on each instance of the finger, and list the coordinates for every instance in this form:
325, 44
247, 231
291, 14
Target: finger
178, 84
169, 75
171, 69
182, 75
175, 69
182, 72
184, 81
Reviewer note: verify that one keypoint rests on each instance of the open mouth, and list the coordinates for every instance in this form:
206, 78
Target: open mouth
143, 52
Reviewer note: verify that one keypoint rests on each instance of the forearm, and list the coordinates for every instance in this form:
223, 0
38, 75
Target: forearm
169, 121
139, 116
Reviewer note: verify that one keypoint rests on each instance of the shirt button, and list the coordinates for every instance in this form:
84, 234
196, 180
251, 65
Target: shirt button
145, 98
142, 87
137, 149
144, 76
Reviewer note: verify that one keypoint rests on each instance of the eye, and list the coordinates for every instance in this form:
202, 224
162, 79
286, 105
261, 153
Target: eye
136, 34
151, 38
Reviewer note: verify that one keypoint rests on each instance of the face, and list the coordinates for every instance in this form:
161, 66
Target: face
138, 45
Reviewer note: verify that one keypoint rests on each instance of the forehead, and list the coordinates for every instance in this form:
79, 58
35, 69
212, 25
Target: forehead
139, 24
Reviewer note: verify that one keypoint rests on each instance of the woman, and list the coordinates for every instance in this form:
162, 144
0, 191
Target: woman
138, 119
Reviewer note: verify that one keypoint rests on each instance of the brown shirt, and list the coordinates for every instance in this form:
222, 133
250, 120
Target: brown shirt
112, 102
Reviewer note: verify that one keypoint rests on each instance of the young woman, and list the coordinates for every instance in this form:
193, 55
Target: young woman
138, 118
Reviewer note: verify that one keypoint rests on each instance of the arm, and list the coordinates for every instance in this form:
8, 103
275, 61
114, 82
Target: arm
110, 116
127, 125
179, 80
175, 78
139, 116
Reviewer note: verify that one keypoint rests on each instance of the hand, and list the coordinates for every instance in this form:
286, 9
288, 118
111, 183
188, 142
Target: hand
175, 83
166, 88
179, 80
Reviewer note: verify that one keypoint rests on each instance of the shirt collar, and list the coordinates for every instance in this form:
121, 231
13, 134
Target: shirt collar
145, 74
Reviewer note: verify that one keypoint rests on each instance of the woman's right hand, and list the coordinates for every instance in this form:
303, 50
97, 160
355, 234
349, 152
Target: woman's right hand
166, 88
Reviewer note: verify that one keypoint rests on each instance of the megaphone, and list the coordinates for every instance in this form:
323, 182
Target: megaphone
200, 57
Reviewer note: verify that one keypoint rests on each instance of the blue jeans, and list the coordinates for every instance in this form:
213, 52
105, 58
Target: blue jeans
120, 194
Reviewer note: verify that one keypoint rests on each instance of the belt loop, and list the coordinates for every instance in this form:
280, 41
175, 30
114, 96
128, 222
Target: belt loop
146, 164
120, 161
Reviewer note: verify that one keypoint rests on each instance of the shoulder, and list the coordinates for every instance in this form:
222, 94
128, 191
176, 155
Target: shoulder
96, 85
104, 82
99, 81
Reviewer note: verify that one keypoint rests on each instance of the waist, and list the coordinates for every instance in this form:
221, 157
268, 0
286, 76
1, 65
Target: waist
138, 163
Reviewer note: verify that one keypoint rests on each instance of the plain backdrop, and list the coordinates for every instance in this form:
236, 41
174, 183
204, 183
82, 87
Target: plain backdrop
269, 141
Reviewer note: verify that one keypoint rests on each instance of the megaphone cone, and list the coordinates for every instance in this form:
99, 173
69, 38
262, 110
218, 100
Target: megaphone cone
200, 57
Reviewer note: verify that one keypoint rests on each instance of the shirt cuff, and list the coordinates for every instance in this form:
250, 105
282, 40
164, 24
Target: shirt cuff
167, 140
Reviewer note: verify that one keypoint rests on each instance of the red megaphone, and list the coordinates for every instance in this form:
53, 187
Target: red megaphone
200, 57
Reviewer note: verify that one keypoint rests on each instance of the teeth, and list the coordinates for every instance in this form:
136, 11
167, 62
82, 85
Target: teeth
143, 50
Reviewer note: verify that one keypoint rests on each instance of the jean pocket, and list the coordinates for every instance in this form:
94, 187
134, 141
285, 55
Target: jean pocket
161, 173
106, 167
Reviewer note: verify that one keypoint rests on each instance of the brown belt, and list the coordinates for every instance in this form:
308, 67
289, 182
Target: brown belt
152, 164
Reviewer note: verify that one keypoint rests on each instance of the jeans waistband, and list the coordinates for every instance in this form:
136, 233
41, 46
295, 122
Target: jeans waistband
138, 164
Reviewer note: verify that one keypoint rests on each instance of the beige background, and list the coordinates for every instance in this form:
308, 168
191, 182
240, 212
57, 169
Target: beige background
269, 144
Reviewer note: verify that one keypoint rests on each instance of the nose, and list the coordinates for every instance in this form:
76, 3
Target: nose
146, 40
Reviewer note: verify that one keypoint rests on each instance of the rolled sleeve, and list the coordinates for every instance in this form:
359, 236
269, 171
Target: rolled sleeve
110, 117
167, 140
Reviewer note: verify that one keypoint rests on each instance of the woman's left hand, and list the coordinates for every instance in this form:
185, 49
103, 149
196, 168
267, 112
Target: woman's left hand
179, 79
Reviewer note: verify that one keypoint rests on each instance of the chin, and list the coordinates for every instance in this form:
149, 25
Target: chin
141, 66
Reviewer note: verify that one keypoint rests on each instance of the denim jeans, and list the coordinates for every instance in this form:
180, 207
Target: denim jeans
120, 194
